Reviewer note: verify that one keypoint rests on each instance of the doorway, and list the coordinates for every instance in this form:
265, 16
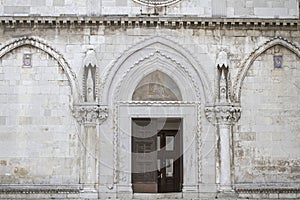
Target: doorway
157, 160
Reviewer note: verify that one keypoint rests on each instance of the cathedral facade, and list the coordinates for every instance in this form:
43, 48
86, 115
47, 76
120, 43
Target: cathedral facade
149, 99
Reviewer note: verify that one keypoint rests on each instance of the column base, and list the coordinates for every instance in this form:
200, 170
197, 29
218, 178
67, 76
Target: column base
89, 193
226, 192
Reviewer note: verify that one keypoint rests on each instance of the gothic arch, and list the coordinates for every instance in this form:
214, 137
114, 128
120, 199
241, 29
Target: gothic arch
162, 49
157, 62
157, 86
39, 44
247, 62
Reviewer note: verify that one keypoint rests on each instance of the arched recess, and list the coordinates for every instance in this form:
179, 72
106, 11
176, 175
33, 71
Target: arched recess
157, 86
157, 62
166, 48
246, 64
119, 83
39, 44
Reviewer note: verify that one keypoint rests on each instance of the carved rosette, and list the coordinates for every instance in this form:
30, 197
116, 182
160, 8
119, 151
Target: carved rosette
223, 114
90, 114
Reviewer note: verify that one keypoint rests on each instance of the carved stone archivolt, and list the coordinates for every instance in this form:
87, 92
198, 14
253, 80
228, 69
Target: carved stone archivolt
91, 114
245, 65
47, 48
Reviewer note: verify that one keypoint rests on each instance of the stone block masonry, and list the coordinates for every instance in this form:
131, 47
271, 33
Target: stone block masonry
74, 74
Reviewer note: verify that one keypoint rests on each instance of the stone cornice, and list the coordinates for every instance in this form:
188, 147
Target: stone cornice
150, 21
90, 114
223, 114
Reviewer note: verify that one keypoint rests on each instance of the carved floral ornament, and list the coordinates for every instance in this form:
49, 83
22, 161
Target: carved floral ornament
157, 3
90, 114
223, 114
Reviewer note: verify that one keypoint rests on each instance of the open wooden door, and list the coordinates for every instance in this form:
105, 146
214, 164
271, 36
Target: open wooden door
144, 156
156, 155
169, 158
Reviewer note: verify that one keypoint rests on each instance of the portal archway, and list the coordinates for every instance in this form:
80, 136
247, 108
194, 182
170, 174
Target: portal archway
192, 92
165, 50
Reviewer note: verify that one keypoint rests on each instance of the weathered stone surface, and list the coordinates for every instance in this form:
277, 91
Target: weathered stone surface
58, 141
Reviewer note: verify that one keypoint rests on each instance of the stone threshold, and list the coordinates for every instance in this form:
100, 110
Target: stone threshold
149, 21
149, 196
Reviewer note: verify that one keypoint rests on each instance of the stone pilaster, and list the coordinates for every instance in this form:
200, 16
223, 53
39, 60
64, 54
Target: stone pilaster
90, 116
224, 117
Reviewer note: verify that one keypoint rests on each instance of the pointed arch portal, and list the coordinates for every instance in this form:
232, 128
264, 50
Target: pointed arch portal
159, 80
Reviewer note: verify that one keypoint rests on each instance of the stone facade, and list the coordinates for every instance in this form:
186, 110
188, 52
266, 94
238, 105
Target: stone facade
73, 75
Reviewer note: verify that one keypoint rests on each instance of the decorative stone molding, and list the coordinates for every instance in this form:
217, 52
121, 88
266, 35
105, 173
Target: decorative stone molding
162, 55
42, 45
187, 22
223, 114
195, 69
39, 189
90, 76
268, 188
247, 62
223, 80
116, 141
222, 60
90, 114
157, 3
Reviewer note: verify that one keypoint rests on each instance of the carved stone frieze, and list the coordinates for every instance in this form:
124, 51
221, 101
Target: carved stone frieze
39, 189
223, 114
90, 114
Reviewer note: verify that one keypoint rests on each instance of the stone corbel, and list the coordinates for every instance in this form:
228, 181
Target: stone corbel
223, 114
90, 114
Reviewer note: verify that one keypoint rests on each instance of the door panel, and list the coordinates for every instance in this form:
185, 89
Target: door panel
144, 170
156, 156
170, 156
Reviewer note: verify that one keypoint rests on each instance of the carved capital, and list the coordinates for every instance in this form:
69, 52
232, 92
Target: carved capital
103, 113
90, 114
223, 114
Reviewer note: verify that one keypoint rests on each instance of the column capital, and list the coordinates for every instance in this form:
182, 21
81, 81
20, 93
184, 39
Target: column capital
226, 114
90, 114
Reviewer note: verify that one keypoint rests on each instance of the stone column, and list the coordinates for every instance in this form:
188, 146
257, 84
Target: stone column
224, 117
90, 116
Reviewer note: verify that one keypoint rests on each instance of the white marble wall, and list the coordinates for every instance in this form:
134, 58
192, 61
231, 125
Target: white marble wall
39, 142
205, 8
267, 139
